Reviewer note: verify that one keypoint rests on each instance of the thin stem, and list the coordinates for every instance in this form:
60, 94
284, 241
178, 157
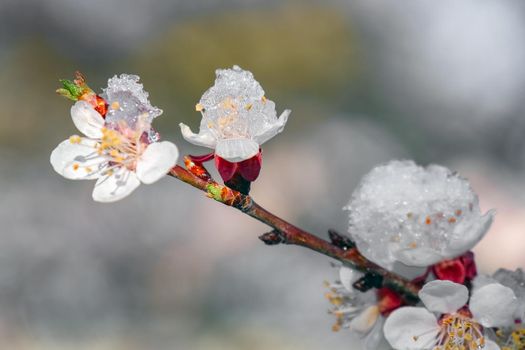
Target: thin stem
287, 233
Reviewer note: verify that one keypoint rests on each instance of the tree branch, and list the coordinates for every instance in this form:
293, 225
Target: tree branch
341, 249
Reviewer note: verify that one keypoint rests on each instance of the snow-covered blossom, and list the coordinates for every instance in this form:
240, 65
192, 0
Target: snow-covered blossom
415, 215
236, 116
446, 322
360, 312
120, 151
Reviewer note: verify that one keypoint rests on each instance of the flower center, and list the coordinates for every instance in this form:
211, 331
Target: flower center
458, 332
513, 341
228, 120
121, 148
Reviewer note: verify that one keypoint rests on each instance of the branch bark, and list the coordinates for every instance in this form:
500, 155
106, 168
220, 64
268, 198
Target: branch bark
284, 232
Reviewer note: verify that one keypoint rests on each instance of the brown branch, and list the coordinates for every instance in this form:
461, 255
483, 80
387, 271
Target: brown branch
287, 233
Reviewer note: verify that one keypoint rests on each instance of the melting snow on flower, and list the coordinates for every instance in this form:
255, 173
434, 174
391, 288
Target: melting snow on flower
236, 116
446, 323
415, 215
121, 151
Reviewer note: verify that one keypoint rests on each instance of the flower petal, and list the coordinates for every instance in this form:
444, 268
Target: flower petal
419, 256
411, 328
116, 186
443, 296
87, 120
274, 129
366, 320
204, 138
374, 339
348, 276
77, 160
464, 239
236, 150
156, 161
490, 345
494, 305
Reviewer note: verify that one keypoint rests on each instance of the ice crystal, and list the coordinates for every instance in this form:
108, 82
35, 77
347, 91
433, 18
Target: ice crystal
235, 107
127, 101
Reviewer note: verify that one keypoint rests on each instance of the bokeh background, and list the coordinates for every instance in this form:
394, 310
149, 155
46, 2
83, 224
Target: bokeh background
367, 80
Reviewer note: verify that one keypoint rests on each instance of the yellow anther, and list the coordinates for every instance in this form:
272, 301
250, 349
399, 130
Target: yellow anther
89, 170
75, 139
249, 106
264, 99
228, 103
76, 166
412, 245
115, 105
336, 327
114, 153
199, 107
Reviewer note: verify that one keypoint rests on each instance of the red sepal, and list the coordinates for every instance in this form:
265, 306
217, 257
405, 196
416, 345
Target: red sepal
460, 270
250, 168
226, 169
388, 301
471, 270
203, 158
450, 270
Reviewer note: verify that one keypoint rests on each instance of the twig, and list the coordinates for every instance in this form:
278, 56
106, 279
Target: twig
341, 248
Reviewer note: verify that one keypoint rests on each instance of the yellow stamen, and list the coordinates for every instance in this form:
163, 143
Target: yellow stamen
75, 139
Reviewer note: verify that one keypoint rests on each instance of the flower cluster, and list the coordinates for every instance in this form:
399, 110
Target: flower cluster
429, 217
120, 149
400, 214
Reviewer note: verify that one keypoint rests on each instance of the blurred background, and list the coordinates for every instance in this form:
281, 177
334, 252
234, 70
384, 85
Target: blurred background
367, 81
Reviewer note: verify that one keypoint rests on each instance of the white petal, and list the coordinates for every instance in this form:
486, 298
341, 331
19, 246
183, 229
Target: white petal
374, 339
156, 161
77, 161
494, 305
115, 187
443, 296
204, 138
411, 328
236, 150
274, 129
348, 276
467, 238
490, 345
87, 120
421, 257
364, 322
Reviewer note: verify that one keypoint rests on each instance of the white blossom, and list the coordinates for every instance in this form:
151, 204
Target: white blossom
418, 216
236, 116
355, 310
445, 323
120, 152
510, 336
